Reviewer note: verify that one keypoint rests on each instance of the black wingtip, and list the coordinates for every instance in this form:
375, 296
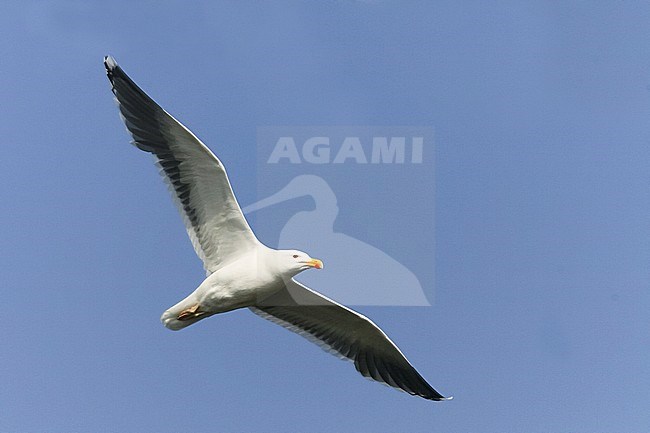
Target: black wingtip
435, 397
110, 64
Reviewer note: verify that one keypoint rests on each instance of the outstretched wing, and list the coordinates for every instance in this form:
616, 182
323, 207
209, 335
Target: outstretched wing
196, 177
346, 334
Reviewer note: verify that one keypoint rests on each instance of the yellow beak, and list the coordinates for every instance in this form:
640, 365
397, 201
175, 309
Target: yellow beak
315, 263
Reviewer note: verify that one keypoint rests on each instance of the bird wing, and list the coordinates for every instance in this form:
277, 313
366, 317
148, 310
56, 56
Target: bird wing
196, 178
346, 334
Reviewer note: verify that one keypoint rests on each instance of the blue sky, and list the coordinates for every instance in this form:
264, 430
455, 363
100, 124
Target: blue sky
541, 112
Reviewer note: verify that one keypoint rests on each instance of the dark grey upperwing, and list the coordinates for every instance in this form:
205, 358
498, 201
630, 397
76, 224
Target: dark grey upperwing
346, 334
197, 179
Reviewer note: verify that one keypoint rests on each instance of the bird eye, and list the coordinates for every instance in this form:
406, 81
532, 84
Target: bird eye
295, 256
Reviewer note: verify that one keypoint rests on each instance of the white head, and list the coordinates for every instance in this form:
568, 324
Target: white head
292, 262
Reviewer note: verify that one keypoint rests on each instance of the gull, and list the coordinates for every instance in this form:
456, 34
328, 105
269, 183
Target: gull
241, 271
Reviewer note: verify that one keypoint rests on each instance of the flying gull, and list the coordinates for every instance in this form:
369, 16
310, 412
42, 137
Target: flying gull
241, 271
